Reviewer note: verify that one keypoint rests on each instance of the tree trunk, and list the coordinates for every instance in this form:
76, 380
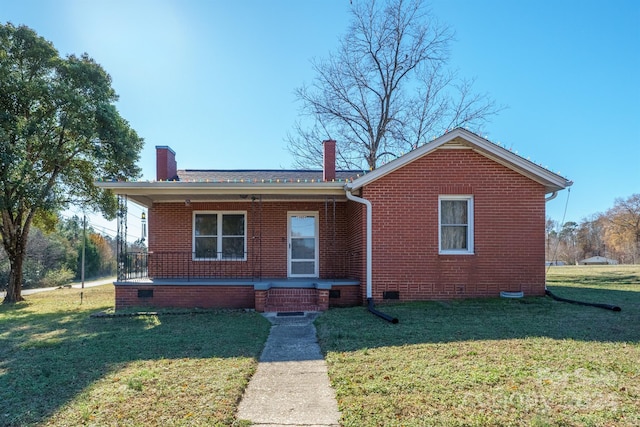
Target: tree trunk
14, 288
15, 245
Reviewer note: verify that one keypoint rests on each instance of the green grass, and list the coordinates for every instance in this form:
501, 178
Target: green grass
496, 362
60, 367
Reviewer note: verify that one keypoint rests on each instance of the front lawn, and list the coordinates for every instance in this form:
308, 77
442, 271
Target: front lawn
531, 361
60, 367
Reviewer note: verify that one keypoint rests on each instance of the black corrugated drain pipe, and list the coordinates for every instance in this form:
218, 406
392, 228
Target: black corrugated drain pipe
380, 314
589, 304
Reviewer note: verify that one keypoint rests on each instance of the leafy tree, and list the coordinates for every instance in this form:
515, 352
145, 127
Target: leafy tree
386, 89
99, 258
59, 132
49, 261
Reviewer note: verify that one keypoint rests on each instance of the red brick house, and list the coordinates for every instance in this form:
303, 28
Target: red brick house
459, 217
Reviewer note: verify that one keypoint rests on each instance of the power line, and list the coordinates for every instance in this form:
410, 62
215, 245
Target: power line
135, 228
564, 215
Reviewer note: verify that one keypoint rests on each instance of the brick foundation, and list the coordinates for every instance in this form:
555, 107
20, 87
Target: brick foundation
238, 296
185, 296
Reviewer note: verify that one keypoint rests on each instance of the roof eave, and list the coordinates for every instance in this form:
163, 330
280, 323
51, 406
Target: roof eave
552, 181
146, 193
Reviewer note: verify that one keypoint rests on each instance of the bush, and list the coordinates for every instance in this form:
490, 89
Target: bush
58, 277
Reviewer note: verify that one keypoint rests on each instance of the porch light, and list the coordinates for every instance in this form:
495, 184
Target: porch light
143, 221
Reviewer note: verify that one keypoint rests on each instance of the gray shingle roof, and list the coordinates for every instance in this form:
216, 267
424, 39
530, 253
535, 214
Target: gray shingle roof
260, 175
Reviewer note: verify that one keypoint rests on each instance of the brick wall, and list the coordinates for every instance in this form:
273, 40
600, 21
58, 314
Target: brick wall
185, 296
170, 230
509, 215
350, 296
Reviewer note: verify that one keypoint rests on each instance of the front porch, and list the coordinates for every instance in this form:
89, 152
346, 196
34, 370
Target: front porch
179, 279
263, 295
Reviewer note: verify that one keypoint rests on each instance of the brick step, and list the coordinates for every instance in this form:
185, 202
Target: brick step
284, 300
291, 291
281, 302
290, 308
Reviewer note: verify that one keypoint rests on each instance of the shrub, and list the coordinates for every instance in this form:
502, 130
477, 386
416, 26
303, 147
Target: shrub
58, 277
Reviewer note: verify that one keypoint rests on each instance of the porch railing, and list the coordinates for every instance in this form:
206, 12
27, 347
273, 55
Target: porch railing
134, 266
183, 265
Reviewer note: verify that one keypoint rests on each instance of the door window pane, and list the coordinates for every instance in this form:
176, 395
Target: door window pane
303, 226
303, 267
303, 248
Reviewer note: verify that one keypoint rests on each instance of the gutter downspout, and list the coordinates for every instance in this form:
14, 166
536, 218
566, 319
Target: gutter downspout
551, 197
369, 252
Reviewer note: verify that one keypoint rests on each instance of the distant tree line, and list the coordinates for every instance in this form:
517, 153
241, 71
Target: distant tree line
614, 234
54, 255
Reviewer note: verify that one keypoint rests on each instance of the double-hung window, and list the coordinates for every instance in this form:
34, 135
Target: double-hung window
456, 224
219, 236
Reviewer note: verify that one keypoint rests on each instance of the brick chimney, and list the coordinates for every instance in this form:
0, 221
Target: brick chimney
166, 166
329, 160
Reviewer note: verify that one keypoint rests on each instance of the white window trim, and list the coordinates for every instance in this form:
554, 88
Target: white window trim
470, 226
219, 249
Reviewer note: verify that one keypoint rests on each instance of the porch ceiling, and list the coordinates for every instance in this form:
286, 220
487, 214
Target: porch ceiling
147, 193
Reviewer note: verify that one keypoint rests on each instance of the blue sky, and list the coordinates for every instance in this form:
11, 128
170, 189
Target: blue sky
214, 79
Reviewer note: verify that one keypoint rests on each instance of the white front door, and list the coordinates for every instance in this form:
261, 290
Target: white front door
303, 244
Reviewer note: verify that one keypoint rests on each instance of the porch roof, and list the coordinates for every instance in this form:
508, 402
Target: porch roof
234, 185
147, 193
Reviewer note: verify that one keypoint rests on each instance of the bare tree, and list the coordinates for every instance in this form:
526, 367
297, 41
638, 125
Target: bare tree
622, 228
589, 237
568, 248
550, 227
386, 90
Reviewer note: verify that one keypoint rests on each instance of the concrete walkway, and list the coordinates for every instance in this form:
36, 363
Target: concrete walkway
291, 385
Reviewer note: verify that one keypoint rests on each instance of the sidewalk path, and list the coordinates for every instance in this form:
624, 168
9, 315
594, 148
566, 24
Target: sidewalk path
291, 385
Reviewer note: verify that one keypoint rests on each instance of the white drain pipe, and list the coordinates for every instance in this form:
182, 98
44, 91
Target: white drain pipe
368, 243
